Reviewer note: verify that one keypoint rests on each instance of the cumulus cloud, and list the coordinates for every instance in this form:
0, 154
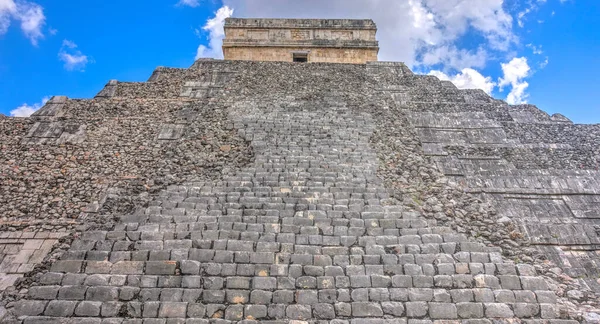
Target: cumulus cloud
467, 79
190, 3
409, 30
73, 59
214, 27
454, 58
26, 110
514, 73
30, 15
485, 16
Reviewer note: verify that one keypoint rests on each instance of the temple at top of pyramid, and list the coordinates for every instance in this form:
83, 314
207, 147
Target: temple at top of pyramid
301, 40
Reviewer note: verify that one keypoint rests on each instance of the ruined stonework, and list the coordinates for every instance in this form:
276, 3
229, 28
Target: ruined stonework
313, 40
268, 192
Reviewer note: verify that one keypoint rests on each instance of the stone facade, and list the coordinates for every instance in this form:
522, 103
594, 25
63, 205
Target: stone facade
368, 195
319, 40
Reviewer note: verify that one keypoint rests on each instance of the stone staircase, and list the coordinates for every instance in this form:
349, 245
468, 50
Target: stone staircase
307, 232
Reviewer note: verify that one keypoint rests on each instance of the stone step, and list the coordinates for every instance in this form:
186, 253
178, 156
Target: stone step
304, 226
57, 311
246, 241
286, 253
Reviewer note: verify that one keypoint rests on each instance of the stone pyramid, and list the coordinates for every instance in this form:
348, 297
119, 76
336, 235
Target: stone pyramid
255, 192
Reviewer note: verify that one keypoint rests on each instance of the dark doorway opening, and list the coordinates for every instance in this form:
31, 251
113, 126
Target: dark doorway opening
300, 57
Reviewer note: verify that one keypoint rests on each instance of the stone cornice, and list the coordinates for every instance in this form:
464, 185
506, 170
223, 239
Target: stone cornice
362, 24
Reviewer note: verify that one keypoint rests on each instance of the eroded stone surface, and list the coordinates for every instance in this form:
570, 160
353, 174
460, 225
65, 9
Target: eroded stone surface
342, 215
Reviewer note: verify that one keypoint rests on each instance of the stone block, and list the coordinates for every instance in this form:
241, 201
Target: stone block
261, 297
510, 282
190, 267
161, 267
128, 268
442, 311
324, 311
43, 292
66, 266
402, 281
299, 312
498, 310
469, 310
102, 294
307, 297
29, 307
60, 308
234, 313
533, 283
416, 309
264, 283
213, 296
395, 309
88, 308
420, 294
525, 310
363, 309
486, 281
172, 310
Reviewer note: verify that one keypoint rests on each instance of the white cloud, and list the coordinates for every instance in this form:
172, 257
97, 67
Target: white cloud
72, 57
26, 110
8, 9
467, 79
536, 49
521, 16
454, 58
485, 16
408, 30
32, 19
214, 26
69, 44
515, 72
190, 3
532, 6
29, 14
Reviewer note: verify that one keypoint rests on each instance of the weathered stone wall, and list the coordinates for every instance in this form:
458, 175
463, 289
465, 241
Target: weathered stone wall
78, 164
56, 182
315, 55
537, 170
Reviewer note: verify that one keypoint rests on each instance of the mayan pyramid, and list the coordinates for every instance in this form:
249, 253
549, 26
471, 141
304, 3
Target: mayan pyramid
337, 191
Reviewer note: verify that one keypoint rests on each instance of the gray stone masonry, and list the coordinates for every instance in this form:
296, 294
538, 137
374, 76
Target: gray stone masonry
333, 220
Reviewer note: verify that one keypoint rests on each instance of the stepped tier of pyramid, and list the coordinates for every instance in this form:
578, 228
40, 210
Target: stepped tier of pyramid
270, 192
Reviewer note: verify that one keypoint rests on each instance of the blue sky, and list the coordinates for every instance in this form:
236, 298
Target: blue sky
543, 52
